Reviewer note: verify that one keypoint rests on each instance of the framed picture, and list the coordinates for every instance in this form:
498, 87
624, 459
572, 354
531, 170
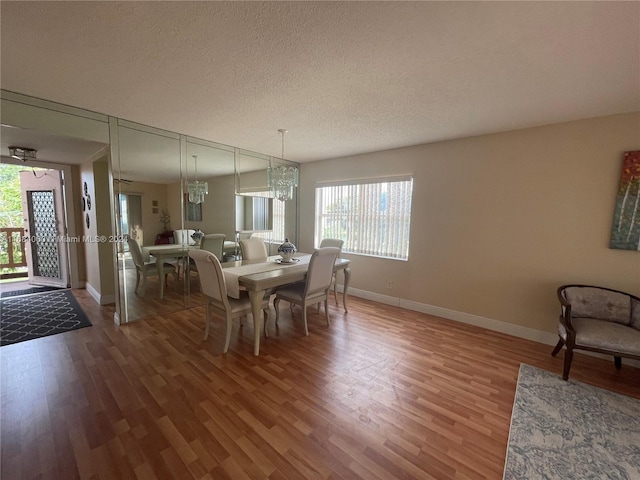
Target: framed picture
84, 204
87, 220
86, 188
88, 202
193, 210
625, 232
154, 203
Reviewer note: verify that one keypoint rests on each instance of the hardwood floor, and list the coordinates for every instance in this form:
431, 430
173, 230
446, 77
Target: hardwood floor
383, 393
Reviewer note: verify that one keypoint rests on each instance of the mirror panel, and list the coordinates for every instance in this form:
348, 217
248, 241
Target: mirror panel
148, 208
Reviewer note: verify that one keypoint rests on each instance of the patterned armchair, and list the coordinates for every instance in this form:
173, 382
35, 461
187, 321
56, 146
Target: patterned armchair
598, 319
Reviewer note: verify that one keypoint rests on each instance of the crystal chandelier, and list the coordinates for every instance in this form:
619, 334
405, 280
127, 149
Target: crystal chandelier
197, 189
281, 178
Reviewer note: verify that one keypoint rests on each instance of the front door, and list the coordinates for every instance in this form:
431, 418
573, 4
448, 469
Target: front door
44, 225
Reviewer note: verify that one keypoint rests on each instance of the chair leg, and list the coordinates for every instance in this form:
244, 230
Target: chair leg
618, 362
568, 357
266, 322
304, 319
558, 348
137, 281
335, 288
326, 308
228, 336
207, 321
276, 305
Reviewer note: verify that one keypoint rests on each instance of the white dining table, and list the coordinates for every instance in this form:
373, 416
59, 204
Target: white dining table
164, 252
257, 277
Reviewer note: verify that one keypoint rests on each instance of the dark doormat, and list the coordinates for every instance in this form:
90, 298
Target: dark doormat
34, 316
27, 291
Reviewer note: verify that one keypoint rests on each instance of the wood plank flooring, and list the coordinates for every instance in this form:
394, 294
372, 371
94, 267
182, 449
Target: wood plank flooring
383, 393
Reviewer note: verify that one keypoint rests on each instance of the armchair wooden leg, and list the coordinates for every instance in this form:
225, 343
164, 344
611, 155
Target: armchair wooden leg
558, 348
618, 362
568, 357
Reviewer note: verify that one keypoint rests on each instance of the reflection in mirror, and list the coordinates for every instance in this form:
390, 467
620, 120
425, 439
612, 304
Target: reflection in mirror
254, 213
148, 208
216, 213
151, 171
251, 172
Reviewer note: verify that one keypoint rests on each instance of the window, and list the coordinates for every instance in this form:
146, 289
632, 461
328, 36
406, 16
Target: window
371, 216
277, 235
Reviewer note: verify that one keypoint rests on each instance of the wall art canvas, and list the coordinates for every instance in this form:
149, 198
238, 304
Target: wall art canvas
625, 233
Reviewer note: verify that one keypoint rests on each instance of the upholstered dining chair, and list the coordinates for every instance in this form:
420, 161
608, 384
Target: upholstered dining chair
146, 269
215, 289
337, 243
253, 249
316, 287
214, 243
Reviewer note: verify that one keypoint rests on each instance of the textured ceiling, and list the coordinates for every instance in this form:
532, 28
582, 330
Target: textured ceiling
342, 77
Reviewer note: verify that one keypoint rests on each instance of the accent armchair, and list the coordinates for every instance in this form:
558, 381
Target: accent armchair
598, 319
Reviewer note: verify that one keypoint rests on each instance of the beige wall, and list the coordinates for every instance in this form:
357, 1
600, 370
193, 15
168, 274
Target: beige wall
151, 225
499, 221
98, 255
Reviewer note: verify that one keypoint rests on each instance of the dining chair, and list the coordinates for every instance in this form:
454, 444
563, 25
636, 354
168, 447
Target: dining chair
214, 243
316, 286
215, 289
146, 269
337, 243
253, 249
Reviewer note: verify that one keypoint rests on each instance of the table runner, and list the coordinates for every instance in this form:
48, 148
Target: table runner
232, 274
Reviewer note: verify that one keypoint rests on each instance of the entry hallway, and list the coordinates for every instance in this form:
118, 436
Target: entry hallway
383, 393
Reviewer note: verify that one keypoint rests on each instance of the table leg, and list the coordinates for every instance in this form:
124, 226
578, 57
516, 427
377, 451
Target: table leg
256, 297
347, 279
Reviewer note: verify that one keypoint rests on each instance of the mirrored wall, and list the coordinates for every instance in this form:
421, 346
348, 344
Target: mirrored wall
155, 215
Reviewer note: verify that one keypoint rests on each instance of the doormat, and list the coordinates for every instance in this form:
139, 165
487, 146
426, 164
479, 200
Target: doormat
27, 291
34, 316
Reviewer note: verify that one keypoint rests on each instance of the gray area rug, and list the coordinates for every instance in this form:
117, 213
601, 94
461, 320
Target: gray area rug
570, 430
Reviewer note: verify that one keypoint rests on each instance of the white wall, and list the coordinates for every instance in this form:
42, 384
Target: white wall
499, 221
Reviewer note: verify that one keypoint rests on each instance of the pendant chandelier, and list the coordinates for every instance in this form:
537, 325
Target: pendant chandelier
197, 189
282, 179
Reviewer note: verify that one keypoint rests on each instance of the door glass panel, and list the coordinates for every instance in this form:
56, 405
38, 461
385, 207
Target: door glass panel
44, 231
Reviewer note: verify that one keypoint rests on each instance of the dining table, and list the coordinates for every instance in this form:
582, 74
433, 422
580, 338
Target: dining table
180, 251
256, 277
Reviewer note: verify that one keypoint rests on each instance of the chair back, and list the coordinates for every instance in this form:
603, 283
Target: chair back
211, 276
332, 242
253, 249
136, 252
214, 243
183, 237
320, 271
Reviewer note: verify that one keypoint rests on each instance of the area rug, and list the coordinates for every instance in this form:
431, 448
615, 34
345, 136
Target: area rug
570, 430
34, 316
27, 291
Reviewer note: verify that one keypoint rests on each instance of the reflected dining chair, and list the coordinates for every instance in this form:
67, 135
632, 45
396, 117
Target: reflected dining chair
215, 289
315, 288
253, 249
146, 269
214, 243
337, 243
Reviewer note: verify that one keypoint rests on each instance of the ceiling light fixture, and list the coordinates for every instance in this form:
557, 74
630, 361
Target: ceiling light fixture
197, 190
22, 153
281, 178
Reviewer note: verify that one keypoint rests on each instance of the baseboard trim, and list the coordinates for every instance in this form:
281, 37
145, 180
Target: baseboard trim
546, 338
100, 299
